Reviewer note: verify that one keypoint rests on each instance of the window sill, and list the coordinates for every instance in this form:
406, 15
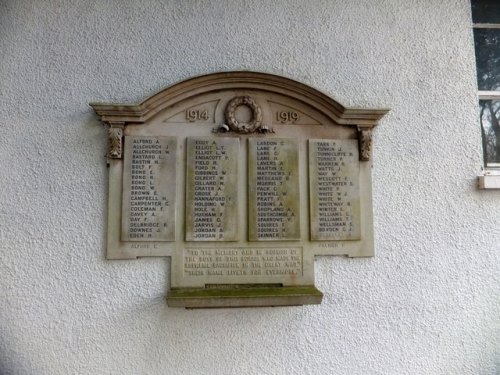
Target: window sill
490, 180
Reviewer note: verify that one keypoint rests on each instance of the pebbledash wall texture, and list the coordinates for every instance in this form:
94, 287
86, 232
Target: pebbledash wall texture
427, 303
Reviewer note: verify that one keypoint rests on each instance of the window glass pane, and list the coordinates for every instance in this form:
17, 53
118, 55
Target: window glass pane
488, 58
485, 11
490, 129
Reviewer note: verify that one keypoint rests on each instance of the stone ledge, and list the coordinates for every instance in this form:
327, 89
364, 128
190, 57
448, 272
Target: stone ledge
193, 298
489, 181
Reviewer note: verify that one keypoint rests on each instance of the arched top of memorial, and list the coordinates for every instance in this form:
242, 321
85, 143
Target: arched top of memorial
235, 81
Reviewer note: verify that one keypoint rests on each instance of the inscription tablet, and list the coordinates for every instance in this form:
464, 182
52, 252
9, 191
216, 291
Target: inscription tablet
243, 262
149, 174
273, 197
334, 189
211, 189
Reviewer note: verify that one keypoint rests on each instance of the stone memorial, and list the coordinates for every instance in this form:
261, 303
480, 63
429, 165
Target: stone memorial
242, 179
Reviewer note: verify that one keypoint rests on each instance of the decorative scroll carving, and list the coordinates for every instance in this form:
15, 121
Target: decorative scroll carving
365, 144
243, 127
115, 136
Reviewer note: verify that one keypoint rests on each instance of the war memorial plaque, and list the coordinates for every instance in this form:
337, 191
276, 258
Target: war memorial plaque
242, 179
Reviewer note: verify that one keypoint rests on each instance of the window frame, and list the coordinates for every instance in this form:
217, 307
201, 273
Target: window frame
491, 173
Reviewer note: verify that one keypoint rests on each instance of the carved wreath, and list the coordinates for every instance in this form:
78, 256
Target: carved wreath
243, 127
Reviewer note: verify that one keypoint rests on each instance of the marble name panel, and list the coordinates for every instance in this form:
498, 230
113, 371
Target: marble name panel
211, 189
334, 189
149, 189
273, 196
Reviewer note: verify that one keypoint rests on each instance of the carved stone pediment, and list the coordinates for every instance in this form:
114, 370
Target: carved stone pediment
255, 82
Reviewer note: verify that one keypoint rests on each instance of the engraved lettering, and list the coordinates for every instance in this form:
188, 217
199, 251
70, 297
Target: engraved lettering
334, 189
237, 262
149, 189
211, 189
193, 115
287, 116
273, 190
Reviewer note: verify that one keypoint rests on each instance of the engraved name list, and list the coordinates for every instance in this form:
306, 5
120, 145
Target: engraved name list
273, 190
334, 189
148, 205
211, 189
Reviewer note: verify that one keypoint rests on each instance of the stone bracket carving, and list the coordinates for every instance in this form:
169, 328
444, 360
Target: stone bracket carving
365, 143
115, 140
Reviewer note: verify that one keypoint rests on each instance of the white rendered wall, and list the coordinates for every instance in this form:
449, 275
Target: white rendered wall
428, 303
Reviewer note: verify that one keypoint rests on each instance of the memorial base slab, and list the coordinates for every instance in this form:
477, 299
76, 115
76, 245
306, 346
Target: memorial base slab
193, 298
